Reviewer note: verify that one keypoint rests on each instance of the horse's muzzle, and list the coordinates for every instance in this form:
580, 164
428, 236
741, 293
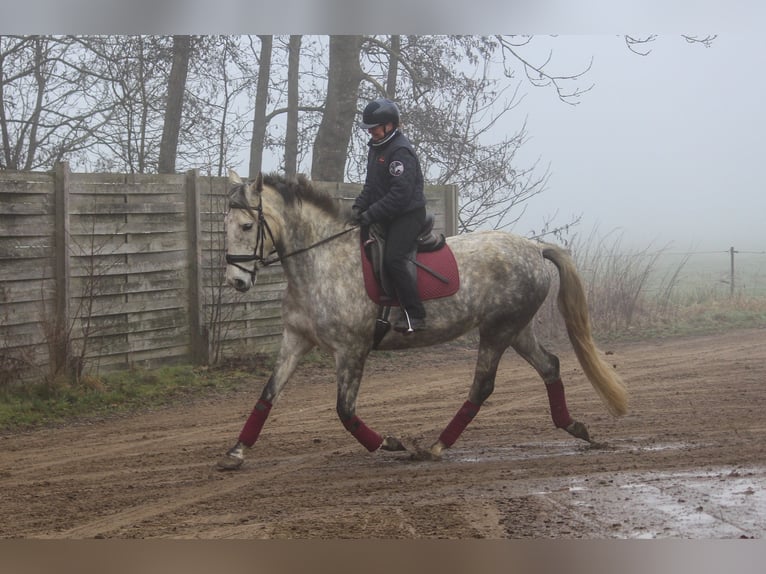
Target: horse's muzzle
232, 277
240, 285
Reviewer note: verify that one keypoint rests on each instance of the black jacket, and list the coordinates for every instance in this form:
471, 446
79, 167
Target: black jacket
394, 182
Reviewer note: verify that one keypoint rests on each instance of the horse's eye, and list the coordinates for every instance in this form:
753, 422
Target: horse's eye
247, 226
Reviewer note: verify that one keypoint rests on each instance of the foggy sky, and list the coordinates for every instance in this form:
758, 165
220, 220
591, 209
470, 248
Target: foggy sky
665, 148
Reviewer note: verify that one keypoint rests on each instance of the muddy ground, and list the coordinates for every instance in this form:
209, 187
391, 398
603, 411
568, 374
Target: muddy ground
688, 461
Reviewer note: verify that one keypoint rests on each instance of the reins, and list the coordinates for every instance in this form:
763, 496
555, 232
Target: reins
260, 242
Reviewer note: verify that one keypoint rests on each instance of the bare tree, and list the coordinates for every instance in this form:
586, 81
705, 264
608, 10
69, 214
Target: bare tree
174, 107
332, 140
567, 86
291, 129
51, 101
261, 100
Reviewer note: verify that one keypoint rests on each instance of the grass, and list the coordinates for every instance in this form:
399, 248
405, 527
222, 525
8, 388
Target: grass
632, 295
48, 404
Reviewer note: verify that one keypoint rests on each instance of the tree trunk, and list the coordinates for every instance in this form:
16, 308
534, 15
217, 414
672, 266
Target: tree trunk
331, 144
261, 98
174, 108
393, 67
291, 135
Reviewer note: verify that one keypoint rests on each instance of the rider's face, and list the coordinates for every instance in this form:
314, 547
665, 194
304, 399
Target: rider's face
379, 132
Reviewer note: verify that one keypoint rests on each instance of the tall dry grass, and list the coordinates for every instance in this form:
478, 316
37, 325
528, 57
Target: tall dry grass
634, 293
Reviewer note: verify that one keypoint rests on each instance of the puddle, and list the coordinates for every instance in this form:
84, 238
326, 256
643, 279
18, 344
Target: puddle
711, 504
528, 451
521, 452
715, 503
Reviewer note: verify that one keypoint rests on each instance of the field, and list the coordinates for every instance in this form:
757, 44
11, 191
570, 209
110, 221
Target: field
686, 462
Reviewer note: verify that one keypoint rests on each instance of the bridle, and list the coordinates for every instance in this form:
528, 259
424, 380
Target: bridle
263, 230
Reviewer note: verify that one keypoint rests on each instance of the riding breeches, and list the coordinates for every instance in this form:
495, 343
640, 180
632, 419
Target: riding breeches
401, 235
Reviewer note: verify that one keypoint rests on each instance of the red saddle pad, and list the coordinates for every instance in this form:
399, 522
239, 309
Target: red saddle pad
429, 287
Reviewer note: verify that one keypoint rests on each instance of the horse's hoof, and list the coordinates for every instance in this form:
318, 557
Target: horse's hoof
234, 458
426, 454
392, 444
433, 453
230, 462
579, 430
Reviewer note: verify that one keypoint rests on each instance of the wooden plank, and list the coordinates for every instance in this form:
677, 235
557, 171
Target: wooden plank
25, 182
20, 248
23, 225
144, 190
154, 340
135, 225
128, 284
22, 291
92, 204
20, 335
168, 207
27, 312
110, 305
128, 244
136, 325
137, 264
25, 204
154, 357
30, 269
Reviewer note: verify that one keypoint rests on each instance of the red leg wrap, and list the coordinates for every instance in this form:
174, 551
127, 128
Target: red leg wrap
558, 403
254, 423
368, 438
458, 423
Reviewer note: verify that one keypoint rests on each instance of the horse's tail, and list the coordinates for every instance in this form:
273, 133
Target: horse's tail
573, 306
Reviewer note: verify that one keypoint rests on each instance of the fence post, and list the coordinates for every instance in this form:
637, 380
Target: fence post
731, 282
451, 204
60, 350
199, 337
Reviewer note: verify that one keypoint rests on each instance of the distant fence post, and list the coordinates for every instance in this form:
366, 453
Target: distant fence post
450, 211
731, 282
60, 351
199, 338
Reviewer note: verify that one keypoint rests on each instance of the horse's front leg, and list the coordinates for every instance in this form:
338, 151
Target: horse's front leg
349, 368
293, 348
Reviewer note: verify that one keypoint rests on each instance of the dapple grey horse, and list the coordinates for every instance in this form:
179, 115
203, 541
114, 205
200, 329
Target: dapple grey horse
503, 282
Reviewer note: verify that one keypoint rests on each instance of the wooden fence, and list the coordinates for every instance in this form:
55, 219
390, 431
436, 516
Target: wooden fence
127, 270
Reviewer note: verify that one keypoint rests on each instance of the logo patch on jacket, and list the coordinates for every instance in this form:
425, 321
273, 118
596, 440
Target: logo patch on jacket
396, 168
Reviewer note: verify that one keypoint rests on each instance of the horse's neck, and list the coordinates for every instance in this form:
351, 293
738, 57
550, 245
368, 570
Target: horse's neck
298, 226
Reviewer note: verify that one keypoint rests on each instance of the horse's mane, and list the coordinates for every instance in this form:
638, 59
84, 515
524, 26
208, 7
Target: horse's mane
292, 190
299, 189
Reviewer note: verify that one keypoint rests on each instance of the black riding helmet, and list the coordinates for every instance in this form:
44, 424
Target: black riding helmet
379, 112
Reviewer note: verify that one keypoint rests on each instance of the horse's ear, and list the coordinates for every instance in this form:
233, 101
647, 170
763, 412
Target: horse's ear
259, 182
233, 177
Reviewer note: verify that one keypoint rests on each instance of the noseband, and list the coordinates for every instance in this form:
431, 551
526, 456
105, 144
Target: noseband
260, 241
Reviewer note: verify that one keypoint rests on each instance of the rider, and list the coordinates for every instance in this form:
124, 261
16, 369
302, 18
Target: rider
393, 196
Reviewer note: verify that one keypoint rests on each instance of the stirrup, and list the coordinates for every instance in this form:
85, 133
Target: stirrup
406, 324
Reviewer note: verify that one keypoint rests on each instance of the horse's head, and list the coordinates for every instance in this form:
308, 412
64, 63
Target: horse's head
250, 241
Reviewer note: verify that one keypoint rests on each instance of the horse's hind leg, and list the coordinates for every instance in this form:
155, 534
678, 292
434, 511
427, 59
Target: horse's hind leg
547, 366
490, 353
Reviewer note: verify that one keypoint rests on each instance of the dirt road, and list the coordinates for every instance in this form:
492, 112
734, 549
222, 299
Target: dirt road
688, 461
